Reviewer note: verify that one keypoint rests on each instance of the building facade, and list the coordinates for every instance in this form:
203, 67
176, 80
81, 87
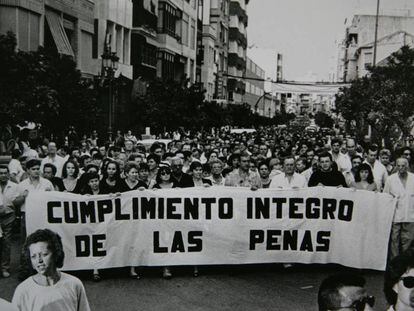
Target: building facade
177, 40
115, 19
66, 26
144, 42
237, 50
254, 87
356, 50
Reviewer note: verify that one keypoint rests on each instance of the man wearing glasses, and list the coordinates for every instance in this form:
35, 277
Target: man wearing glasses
399, 282
344, 291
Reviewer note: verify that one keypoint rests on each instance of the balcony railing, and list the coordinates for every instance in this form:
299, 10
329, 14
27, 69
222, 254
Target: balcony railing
236, 9
144, 18
234, 60
236, 35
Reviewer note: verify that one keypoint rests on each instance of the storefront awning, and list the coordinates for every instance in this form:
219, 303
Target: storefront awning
58, 33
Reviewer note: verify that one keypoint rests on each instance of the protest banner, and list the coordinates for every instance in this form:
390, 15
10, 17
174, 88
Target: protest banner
217, 226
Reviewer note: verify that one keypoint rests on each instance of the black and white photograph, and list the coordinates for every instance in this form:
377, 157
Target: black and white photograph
197, 155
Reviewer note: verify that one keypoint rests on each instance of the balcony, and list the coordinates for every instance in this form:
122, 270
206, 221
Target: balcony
234, 60
236, 86
236, 35
236, 9
142, 18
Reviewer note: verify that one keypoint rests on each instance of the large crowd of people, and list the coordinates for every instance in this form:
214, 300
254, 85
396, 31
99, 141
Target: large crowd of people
268, 157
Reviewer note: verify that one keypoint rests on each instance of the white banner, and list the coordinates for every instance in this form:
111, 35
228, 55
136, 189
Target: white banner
217, 226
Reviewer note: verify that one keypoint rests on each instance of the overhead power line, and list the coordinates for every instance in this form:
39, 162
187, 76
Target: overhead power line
319, 84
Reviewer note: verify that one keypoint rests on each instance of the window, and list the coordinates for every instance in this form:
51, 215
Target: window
193, 34
168, 16
184, 34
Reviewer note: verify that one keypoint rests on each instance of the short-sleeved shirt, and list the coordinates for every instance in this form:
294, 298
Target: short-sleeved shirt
27, 184
282, 181
238, 178
68, 294
7, 196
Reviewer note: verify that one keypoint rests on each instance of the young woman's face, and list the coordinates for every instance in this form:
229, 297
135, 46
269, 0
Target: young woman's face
132, 175
42, 258
264, 171
143, 174
197, 172
165, 175
111, 169
152, 164
70, 169
94, 184
364, 175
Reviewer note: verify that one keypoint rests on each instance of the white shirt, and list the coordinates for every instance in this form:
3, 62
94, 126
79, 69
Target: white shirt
405, 196
7, 196
43, 185
68, 294
282, 181
342, 162
15, 167
7, 306
57, 161
380, 173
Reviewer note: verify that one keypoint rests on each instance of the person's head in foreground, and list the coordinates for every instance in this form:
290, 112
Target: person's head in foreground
48, 289
399, 281
344, 291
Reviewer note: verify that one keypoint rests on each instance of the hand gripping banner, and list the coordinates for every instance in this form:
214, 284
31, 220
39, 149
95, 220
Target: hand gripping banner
220, 225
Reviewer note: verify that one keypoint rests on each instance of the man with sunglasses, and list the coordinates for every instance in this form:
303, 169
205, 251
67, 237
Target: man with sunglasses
344, 291
399, 282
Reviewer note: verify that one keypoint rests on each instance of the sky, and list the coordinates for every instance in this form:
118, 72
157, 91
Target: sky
306, 32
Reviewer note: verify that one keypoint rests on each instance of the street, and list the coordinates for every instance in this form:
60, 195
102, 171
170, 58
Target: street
254, 287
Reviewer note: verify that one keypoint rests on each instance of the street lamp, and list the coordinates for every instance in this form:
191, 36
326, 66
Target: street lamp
109, 67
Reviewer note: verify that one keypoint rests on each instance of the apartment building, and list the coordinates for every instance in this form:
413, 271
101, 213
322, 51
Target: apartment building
237, 50
356, 50
177, 40
113, 21
66, 26
254, 87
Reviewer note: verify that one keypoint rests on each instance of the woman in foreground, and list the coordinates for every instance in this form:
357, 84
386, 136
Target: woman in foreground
49, 289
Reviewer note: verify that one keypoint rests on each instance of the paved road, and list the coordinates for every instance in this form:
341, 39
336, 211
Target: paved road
254, 287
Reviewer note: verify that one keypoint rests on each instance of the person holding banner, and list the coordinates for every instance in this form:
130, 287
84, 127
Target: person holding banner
243, 177
364, 178
399, 282
49, 288
111, 180
131, 182
289, 179
401, 186
327, 175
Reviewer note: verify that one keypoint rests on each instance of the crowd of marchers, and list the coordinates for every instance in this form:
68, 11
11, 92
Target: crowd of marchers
268, 157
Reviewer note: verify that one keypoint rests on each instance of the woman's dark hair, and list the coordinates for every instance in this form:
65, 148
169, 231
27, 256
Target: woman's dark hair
54, 244
364, 167
161, 170
396, 268
129, 166
143, 167
64, 169
90, 176
154, 157
118, 170
194, 165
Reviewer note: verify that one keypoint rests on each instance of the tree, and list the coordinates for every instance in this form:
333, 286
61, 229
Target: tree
384, 99
43, 87
322, 119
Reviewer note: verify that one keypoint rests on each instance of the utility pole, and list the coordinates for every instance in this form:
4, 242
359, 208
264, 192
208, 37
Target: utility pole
374, 62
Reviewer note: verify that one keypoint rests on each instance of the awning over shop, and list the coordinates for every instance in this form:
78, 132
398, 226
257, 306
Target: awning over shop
59, 34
